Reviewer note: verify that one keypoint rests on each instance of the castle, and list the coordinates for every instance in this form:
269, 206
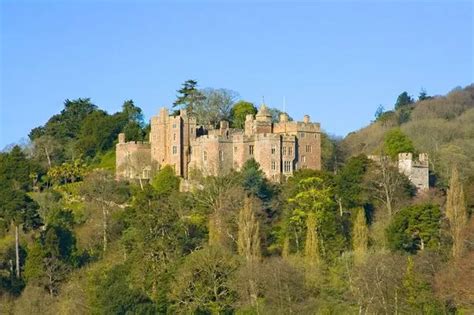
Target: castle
279, 147
417, 170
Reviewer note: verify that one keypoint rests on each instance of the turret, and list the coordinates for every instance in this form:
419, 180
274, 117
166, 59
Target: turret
121, 137
264, 114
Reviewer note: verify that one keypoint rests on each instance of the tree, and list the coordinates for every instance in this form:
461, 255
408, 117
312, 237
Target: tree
395, 142
423, 95
67, 124
402, 100
349, 183
47, 148
248, 239
456, 213
360, 236
115, 296
156, 237
214, 106
239, 113
188, 96
386, 185
101, 190
17, 208
313, 211
379, 112
51, 258
203, 283
415, 228
254, 181
165, 181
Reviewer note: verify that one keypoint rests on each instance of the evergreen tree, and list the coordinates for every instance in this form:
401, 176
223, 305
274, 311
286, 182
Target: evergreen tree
456, 213
360, 236
188, 96
402, 100
248, 239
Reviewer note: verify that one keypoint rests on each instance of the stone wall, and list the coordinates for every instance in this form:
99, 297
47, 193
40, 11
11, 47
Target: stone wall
280, 148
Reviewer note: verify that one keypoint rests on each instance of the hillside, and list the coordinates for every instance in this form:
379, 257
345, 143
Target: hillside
442, 126
353, 238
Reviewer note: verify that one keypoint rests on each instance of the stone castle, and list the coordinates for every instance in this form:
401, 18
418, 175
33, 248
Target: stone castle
416, 169
279, 147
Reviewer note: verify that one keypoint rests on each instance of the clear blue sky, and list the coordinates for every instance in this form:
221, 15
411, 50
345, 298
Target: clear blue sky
334, 61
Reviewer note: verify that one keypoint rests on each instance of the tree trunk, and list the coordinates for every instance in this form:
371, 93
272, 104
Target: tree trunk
104, 227
17, 252
47, 156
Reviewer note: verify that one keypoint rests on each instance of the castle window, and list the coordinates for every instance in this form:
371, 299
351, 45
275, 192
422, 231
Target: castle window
303, 158
221, 155
284, 151
273, 149
174, 125
308, 148
204, 155
251, 149
290, 150
175, 149
287, 166
235, 149
273, 165
174, 136
302, 134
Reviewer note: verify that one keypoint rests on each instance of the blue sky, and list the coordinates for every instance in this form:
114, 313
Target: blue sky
336, 61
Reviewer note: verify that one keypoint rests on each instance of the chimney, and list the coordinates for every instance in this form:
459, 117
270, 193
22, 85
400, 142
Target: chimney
306, 119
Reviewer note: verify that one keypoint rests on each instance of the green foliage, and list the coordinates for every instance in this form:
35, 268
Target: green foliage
18, 208
397, 142
314, 197
254, 181
15, 169
116, 297
51, 258
165, 181
239, 112
403, 100
349, 182
415, 228
188, 96
67, 124
203, 283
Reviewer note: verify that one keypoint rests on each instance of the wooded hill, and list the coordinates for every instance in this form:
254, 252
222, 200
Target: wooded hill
353, 238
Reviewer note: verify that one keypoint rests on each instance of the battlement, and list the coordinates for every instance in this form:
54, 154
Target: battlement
417, 170
280, 148
420, 161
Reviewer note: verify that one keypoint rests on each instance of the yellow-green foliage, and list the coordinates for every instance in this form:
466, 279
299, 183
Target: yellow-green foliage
107, 160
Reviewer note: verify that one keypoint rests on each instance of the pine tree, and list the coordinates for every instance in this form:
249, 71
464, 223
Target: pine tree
360, 236
456, 212
248, 239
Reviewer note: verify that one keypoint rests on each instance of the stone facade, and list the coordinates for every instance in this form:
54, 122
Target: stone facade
417, 170
280, 148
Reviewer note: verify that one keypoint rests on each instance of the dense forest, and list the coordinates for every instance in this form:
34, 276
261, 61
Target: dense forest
353, 238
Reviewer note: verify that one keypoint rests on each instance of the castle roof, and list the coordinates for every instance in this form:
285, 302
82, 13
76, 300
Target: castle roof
263, 111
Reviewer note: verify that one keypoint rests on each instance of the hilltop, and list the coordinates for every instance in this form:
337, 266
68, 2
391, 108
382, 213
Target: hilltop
356, 237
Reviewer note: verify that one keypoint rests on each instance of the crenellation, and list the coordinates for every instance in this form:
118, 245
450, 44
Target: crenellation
280, 148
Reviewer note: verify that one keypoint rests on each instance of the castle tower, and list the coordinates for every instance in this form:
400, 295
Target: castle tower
263, 120
417, 171
170, 138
